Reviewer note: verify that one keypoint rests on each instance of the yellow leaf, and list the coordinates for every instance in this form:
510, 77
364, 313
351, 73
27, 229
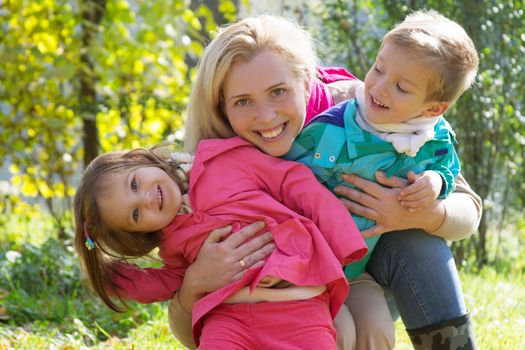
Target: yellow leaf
13, 169
31, 170
138, 67
29, 189
30, 23
44, 189
46, 43
16, 180
153, 127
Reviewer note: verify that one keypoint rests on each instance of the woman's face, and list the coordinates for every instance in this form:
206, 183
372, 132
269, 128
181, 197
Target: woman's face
265, 102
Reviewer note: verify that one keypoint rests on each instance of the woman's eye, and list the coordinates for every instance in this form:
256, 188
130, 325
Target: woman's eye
135, 214
242, 102
376, 68
278, 92
134, 184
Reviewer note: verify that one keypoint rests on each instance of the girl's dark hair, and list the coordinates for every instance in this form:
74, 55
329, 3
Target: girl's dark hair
114, 247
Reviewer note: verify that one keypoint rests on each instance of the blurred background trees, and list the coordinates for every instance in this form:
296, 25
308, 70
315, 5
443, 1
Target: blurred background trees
80, 77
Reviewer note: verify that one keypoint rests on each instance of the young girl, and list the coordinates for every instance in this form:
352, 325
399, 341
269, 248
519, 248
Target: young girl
258, 80
131, 202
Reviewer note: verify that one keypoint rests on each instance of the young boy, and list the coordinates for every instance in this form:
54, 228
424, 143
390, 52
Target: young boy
395, 123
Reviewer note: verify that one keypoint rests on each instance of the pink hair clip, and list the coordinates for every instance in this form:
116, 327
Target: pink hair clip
89, 243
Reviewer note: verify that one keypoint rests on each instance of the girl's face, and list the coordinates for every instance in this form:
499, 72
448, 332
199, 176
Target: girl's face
140, 200
265, 102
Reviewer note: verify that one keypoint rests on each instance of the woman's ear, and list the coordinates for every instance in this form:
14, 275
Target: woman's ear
306, 84
435, 109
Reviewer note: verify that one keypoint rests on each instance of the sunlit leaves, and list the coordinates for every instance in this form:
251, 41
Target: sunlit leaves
137, 65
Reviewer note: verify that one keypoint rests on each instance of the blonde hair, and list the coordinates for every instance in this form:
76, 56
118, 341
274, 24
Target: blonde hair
111, 246
241, 42
442, 44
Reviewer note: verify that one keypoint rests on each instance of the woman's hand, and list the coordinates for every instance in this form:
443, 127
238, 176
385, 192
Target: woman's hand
219, 259
376, 202
342, 90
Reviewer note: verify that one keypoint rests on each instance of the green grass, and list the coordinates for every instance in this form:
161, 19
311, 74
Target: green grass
497, 305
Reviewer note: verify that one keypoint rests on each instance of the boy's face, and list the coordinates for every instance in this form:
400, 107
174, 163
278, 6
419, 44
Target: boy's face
140, 200
396, 88
265, 102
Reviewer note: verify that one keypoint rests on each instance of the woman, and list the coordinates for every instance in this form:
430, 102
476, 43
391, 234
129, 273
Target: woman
413, 264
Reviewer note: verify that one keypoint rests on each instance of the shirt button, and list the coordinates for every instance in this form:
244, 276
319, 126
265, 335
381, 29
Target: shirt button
198, 217
332, 159
317, 155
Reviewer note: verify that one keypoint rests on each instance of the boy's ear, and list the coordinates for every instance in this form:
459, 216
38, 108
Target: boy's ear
435, 109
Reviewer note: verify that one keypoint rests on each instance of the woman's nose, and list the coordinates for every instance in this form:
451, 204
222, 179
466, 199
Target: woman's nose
265, 113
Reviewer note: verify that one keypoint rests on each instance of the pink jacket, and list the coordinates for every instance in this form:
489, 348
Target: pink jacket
232, 182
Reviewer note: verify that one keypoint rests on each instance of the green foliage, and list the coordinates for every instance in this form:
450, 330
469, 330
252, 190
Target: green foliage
20, 221
41, 286
135, 62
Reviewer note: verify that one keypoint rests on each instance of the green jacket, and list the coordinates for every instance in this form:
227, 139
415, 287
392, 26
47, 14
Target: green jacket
333, 143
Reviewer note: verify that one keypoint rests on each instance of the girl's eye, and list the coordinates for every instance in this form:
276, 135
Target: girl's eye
278, 92
134, 184
242, 102
135, 214
376, 68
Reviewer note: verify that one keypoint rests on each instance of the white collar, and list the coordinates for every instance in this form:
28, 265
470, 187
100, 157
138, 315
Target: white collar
406, 137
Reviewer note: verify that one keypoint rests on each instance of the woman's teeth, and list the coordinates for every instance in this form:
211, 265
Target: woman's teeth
269, 134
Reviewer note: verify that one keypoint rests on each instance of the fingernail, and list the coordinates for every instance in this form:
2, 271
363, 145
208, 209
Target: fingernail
272, 246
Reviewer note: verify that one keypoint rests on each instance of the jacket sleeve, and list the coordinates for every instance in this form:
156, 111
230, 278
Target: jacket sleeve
147, 285
294, 185
448, 168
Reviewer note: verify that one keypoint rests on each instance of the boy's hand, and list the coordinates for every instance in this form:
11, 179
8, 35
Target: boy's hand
422, 192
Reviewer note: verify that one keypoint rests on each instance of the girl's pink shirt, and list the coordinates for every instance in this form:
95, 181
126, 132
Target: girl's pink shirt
320, 97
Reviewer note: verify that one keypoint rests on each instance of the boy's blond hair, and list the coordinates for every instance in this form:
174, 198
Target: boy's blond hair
440, 43
241, 42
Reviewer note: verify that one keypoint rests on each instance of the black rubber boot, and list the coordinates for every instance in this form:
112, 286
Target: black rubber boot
454, 334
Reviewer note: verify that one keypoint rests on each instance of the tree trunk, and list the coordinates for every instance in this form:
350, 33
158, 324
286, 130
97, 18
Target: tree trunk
92, 13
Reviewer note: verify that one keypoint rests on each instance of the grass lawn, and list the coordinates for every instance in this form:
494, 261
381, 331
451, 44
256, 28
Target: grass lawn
497, 305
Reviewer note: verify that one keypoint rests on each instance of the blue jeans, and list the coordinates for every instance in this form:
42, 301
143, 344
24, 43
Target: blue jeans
419, 276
